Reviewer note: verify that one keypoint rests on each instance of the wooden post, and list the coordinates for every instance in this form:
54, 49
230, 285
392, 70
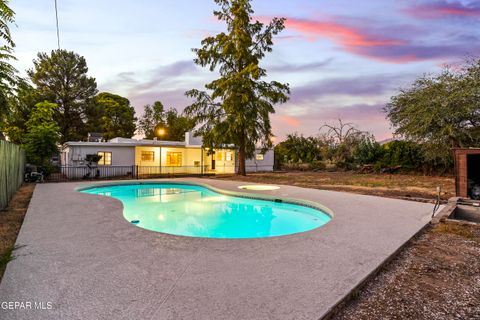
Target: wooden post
201, 160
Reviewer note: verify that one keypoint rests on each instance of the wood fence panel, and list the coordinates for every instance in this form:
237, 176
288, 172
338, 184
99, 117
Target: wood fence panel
12, 165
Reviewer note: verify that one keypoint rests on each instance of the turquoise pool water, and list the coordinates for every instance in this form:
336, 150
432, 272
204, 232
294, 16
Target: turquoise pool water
190, 210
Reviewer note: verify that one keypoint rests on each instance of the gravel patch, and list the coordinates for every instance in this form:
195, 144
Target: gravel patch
437, 276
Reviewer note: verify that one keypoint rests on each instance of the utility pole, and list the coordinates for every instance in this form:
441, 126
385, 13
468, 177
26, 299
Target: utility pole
58, 30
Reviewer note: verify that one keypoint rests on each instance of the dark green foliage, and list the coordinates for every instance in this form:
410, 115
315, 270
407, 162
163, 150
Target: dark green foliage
353, 152
155, 117
298, 149
367, 151
21, 107
5, 257
42, 137
236, 107
440, 112
92, 158
111, 115
8, 74
6, 17
406, 154
176, 125
61, 77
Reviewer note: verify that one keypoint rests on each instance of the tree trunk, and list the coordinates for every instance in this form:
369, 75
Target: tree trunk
241, 158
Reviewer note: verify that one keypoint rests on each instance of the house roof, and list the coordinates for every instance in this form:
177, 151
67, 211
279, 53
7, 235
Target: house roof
190, 142
126, 142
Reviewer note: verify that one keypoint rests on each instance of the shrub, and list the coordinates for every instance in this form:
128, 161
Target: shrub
318, 165
368, 151
402, 153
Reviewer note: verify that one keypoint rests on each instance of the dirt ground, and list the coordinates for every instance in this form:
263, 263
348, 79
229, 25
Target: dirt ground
435, 277
11, 219
386, 185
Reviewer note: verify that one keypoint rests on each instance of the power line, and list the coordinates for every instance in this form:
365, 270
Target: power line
58, 30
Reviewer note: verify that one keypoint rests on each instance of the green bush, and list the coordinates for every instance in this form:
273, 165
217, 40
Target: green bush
320, 153
368, 151
402, 153
318, 165
377, 167
297, 148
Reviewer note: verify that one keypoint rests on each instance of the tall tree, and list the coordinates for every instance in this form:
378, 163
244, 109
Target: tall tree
113, 116
62, 77
440, 111
21, 106
42, 137
176, 125
237, 107
153, 117
8, 74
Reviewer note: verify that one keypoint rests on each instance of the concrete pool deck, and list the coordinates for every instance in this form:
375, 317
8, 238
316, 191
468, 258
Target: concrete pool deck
77, 252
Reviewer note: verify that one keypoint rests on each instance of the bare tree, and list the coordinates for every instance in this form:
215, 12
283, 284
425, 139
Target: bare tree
339, 133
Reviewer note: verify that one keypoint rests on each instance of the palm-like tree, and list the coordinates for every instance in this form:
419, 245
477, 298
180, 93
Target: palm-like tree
8, 74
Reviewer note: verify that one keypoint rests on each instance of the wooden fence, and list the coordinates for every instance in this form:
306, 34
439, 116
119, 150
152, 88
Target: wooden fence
12, 165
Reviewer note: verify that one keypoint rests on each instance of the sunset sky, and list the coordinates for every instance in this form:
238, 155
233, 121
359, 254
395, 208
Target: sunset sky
342, 59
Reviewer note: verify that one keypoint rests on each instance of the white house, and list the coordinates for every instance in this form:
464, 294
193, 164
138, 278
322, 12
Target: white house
153, 157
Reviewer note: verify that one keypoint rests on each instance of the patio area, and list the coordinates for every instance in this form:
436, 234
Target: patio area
77, 252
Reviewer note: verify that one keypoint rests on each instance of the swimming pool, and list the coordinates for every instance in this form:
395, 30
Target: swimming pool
196, 211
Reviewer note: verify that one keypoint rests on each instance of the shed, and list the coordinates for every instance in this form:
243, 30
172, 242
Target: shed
467, 172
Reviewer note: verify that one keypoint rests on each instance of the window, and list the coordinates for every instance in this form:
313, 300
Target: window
148, 156
219, 155
174, 159
106, 159
229, 156
259, 156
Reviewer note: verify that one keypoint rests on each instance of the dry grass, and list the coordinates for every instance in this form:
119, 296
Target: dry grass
11, 219
387, 185
456, 229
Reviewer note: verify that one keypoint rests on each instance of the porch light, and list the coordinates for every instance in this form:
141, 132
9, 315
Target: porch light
161, 132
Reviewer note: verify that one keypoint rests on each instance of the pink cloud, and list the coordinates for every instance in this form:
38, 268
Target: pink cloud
361, 41
354, 40
443, 9
343, 34
289, 120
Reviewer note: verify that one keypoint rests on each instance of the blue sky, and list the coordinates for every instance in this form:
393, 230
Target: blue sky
342, 59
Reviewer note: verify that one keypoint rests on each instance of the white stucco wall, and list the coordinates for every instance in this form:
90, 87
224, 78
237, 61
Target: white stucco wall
222, 165
265, 165
121, 155
191, 158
